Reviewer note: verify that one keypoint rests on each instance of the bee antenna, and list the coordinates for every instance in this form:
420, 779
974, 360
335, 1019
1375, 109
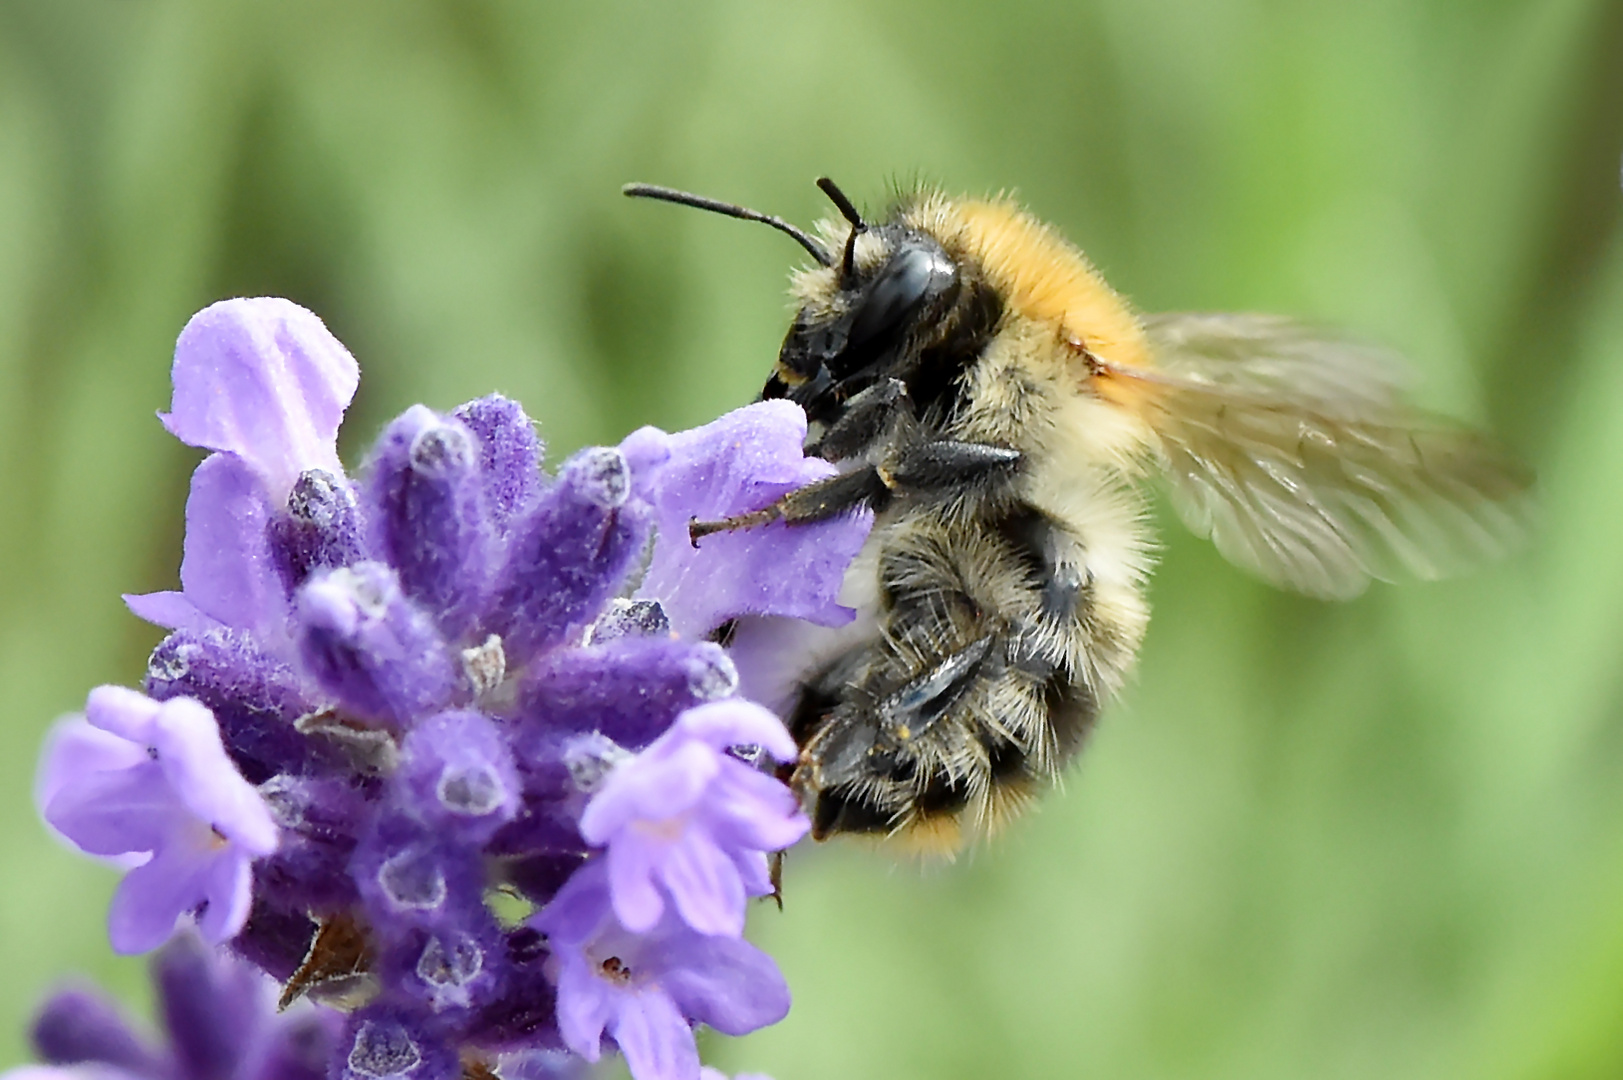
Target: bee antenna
848, 211
716, 206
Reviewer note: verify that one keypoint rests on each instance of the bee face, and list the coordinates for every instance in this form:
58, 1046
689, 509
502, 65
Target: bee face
900, 307
997, 405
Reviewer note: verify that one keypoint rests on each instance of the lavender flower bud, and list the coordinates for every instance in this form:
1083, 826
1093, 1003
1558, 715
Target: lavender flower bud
426, 503
321, 528
385, 1042
211, 1010
630, 618
510, 456
82, 1026
572, 555
369, 646
629, 690
457, 774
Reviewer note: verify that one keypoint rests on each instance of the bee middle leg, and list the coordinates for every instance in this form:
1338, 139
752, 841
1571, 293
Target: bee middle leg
921, 469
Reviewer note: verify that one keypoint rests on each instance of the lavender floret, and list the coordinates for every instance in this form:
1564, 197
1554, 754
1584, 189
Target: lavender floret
399, 713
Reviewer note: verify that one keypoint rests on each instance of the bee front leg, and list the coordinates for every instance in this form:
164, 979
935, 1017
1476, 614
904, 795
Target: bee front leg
926, 468
868, 418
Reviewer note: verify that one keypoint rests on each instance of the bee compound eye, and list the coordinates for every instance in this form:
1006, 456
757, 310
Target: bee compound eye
916, 273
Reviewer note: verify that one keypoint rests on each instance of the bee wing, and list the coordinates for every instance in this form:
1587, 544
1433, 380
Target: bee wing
1292, 449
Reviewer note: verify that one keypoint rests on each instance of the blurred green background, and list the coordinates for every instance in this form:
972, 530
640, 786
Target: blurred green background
1383, 839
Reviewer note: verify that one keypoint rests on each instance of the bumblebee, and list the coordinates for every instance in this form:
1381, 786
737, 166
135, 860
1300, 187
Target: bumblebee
998, 406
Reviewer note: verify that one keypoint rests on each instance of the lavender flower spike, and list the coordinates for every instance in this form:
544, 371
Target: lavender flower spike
686, 819
646, 989
169, 791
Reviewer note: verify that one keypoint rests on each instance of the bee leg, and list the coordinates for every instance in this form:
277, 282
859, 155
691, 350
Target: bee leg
948, 465
924, 468
868, 417
915, 706
1054, 558
814, 502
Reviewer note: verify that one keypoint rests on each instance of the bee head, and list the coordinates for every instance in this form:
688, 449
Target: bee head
892, 290
854, 335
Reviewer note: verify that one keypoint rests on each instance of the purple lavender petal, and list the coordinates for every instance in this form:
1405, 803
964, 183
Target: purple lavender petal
262, 378
755, 871
320, 528
721, 981
229, 572
739, 463
579, 909
187, 742
655, 1039
663, 782
228, 892
510, 456
152, 897
638, 903
372, 648
126, 713
82, 1025
425, 501
117, 812
170, 610
570, 558
723, 724
585, 1004
746, 808
704, 883
628, 982
73, 751
688, 816
180, 799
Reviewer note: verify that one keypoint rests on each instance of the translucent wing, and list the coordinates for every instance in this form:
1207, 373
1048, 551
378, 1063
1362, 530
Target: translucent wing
1293, 451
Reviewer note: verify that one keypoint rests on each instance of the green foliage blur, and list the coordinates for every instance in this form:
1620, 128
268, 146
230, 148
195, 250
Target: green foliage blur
1380, 839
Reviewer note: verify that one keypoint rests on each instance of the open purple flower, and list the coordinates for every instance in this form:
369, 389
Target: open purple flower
156, 780
688, 820
263, 384
646, 989
739, 463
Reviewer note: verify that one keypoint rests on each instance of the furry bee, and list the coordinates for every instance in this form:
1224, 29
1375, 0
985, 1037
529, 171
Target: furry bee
998, 406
